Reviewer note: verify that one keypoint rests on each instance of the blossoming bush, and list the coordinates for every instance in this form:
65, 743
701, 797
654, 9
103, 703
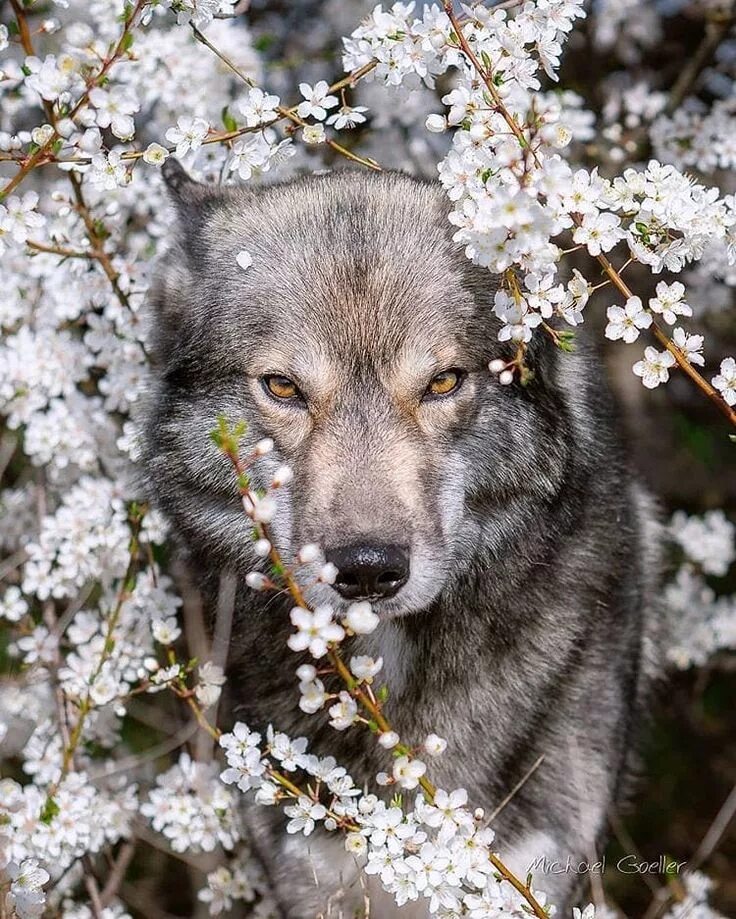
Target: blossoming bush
111, 748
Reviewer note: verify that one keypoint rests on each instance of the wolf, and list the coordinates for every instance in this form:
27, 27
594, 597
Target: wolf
498, 530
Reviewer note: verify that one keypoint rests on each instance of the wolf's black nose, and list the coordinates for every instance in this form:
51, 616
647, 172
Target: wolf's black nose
369, 571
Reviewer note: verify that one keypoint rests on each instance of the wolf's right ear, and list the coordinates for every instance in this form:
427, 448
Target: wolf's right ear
173, 299
193, 201
183, 190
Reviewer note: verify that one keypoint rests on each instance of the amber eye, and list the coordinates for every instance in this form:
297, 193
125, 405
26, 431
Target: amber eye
280, 387
445, 383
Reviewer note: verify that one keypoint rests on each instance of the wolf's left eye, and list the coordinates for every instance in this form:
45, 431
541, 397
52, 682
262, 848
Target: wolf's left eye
445, 383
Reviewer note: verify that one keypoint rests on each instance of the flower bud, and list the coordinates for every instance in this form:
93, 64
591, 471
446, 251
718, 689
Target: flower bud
256, 580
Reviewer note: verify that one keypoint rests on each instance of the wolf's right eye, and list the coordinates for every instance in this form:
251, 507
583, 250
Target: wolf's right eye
280, 387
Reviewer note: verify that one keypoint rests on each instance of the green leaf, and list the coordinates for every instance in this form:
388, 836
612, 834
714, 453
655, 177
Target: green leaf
264, 42
227, 119
49, 810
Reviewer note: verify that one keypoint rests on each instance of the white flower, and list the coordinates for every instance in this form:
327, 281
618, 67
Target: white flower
360, 618
626, 322
283, 476
344, 712
388, 739
290, 753
188, 134
436, 124
314, 134
20, 216
434, 745
356, 844
708, 541
107, 172
448, 812
253, 154
316, 100
155, 154
309, 553
261, 508
654, 368
407, 772
312, 696
13, 605
306, 673
264, 446
303, 815
315, 630
347, 116
669, 302
725, 381
518, 319
690, 345
256, 580
364, 667
244, 259
587, 913
26, 889
209, 688
262, 548
598, 232
115, 108
165, 631
258, 107
328, 573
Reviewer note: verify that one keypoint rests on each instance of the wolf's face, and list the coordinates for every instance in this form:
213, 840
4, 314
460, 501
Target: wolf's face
358, 339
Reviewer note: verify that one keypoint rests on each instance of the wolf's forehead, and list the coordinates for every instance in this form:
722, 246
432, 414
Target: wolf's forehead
343, 270
350, 309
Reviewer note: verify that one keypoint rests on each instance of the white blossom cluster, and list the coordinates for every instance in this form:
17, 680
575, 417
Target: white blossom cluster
437, 851
88, 819
192, 809
108, 91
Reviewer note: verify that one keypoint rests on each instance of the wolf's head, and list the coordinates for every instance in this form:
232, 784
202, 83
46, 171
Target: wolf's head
358, 339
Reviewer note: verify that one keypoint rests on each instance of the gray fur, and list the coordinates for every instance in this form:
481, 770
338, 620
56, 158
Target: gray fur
528, 622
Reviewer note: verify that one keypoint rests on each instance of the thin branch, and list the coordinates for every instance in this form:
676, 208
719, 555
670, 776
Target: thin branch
516, 789
716, 29
59, 250
115, 878
289, 113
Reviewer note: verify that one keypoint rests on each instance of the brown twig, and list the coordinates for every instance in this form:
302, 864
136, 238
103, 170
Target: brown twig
59, 250
717, 26
115, 878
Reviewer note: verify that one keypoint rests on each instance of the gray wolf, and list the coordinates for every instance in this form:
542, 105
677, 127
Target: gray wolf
506, 544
